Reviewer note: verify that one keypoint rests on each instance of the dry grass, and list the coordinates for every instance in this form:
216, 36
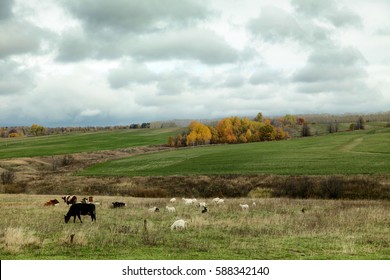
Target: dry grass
273, 229
16, 239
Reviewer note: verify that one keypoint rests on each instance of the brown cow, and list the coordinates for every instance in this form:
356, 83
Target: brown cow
51, 202
70, 199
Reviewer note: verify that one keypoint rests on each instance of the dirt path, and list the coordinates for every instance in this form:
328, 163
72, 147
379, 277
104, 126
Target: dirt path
350, 146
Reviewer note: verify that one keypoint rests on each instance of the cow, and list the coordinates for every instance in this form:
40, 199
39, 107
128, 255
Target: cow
117, 204
78, 209
70, 199
51, 202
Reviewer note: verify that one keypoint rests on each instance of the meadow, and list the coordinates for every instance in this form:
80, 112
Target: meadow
276, 228
70, 143
346, 153
273, 229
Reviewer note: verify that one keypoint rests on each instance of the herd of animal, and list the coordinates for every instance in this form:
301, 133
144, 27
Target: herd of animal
87, 207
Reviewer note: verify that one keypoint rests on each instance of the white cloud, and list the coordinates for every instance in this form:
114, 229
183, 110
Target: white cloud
121, 61
90, 113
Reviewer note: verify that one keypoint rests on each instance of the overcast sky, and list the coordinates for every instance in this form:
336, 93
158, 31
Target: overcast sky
99, 62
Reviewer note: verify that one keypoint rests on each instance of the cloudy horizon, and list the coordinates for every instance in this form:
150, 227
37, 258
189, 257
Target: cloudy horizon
98, 62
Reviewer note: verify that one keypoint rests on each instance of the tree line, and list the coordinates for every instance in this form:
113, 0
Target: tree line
231, 130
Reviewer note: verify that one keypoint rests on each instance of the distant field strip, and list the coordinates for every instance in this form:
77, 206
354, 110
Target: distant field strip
82, 142
323, 155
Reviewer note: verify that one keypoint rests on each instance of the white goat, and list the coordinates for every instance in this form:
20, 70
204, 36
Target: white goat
188, 201
215, 200
202, 204
221, 201
171, 209
154, 209
173, 200
254, 204
244, 206
179, 224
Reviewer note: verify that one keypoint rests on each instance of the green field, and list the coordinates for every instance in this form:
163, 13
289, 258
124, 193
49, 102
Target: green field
272, 229
82, 142
359, 152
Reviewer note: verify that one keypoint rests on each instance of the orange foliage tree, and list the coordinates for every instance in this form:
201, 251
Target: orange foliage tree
230, 131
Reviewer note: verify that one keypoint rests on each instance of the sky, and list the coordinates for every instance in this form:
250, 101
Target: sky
99, 62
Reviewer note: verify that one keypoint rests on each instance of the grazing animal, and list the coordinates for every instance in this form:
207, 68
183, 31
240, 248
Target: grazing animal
171, 209
154, 209
303, 210
244, 206
52, 202
70, 199
179, 224
221, 201
204, 209
202, 204
215, 200
118, 204
254, 204
172, 200
187, 201
81, 209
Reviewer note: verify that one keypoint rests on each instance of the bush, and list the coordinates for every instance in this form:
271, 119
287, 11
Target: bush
8, 177
332, 188
67, 160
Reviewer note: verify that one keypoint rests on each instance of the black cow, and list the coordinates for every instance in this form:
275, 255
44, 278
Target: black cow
81, 209
117, 204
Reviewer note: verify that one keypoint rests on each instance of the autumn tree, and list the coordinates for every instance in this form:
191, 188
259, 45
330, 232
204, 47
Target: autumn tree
259, 117
37, 130
199, 134
225, 131
230, 130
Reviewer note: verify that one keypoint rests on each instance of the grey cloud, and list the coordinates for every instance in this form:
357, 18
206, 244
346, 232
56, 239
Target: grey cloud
332, 70
18, 38
130, 73
275, 24
314, 73
191, 44
170, 87
329, 10
234, 81
135, 16
73, 46
6, 9
14, 79
202, 45
337, 56
264, 75
384, 31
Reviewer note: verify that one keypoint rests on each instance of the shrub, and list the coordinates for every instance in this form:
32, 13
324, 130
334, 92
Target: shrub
67, 160
8, 177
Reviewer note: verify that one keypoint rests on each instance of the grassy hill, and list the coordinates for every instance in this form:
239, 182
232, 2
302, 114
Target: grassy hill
82, 142
358, 152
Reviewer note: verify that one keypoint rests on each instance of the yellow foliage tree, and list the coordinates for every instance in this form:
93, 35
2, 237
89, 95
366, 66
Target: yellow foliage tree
199, 134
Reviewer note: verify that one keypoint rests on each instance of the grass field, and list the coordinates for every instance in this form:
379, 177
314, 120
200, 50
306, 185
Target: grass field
359, 152
82, 142
273, 229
